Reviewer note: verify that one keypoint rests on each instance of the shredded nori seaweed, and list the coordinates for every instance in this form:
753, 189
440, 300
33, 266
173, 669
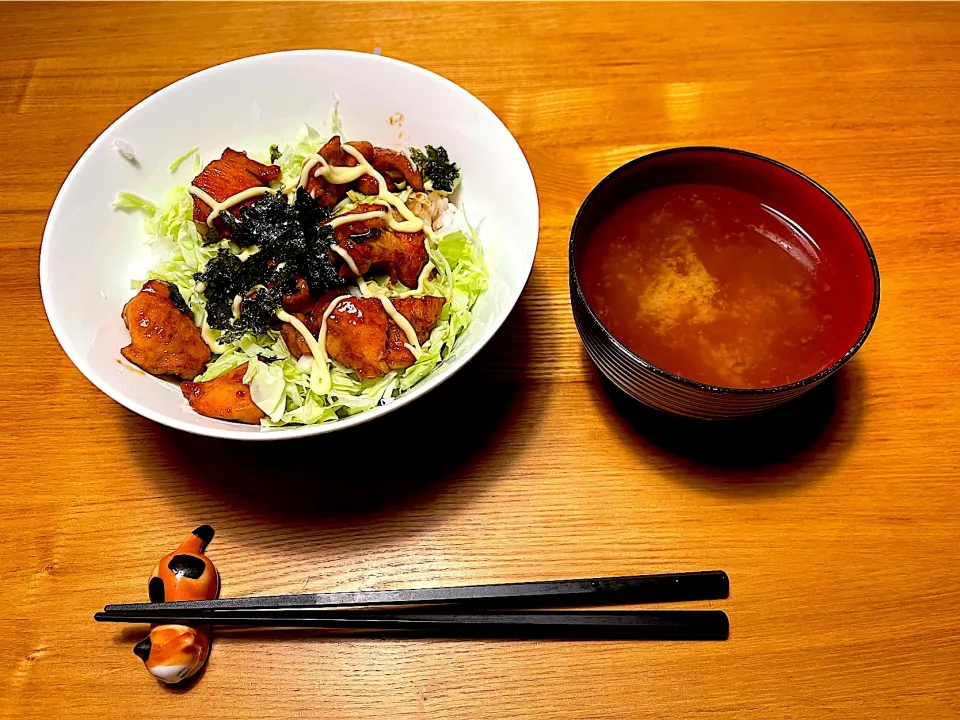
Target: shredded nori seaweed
289, 241
258, 309
434, 164
177, 299
315, 264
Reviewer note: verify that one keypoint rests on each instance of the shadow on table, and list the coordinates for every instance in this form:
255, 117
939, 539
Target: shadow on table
367, 482
771, 453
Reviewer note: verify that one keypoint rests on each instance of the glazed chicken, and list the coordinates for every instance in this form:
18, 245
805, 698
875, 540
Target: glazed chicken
300, 300
225, 397
312, 319
393, 165
362, 336
374, 247
326, 193
233, 173
421, 312
163, 338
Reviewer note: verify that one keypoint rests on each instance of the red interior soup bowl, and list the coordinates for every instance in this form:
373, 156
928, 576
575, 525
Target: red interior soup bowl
715, 283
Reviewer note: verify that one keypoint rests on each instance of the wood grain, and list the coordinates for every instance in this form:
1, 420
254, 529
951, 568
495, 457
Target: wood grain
837, 519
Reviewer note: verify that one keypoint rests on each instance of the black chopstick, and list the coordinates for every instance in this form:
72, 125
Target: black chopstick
673, 587
628, 625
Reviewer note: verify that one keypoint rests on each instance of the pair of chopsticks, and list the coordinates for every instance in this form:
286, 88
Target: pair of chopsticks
473, 610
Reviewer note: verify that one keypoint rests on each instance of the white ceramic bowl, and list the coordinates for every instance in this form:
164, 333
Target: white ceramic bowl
91, 252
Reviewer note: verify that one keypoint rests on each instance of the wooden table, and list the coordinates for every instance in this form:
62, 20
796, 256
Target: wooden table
838, 519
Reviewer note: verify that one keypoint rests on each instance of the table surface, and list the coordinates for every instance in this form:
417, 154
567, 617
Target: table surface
837, 519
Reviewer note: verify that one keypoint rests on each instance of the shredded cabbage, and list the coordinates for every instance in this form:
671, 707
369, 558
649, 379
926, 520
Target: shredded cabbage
279, 385
130, 201
336, 124
293, 154
180, 160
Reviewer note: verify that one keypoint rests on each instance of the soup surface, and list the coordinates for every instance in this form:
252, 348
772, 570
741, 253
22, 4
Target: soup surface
710, 284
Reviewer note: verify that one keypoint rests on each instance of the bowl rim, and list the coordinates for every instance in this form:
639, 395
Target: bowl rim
233, 431
694, 384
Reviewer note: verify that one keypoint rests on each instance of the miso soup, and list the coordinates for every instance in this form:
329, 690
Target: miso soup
708, 283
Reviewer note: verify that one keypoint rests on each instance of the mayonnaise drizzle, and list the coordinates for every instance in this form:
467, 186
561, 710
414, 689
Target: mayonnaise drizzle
348, 261
206, 334
340, 175
320, 381
412, 223
357, 217
218, 207
413, 343
318, 345
399, 319
420, 289
336, 174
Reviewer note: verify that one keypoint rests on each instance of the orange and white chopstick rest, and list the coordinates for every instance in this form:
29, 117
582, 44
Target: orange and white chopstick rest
173, 653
